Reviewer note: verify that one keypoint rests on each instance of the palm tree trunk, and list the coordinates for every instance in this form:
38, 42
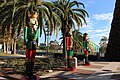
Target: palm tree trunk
64, 41
64, 47
7, 47
45, 40
4, 46
14, 50
113, 49
12, 44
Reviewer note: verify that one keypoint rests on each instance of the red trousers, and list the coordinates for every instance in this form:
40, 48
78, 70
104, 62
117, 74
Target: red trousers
30, 54
86, 52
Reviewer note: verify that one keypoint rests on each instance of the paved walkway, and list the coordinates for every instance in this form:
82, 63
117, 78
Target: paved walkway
18, 56
96, 71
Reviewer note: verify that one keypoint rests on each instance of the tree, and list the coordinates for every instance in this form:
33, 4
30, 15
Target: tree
104, 39
54, 46
113, 48
77, 40
15, 14
18, 11
69, 15
20, 43
103, 44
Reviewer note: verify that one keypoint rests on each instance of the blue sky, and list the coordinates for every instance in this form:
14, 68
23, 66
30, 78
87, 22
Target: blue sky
99, 20
100, 17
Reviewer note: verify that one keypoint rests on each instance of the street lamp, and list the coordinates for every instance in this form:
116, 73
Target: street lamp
47, 43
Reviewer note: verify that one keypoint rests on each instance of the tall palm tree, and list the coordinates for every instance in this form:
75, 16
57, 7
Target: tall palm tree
113, 49
15, 14
69, 16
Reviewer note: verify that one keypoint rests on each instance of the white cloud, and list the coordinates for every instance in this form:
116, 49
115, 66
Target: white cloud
90, 24
88, 31
102, 30
104, 16
98, 33
98, 26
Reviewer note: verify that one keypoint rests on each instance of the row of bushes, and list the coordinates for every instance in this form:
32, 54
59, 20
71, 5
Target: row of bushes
41, 64
79, 56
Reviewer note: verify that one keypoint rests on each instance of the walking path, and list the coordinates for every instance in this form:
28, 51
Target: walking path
18, 56
96, 71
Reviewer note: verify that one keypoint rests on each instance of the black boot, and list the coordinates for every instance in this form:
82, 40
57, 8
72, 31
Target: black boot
69, 63
29, 70
86, 61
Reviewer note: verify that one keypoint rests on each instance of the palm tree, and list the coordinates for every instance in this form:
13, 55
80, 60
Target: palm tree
103, 41
103, 45
68, 14
77, 40
104, 38
113, 49
6, 41
15, 14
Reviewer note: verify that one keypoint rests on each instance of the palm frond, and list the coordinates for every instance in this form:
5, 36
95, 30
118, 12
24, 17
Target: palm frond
40, 21
82, 11
76, 3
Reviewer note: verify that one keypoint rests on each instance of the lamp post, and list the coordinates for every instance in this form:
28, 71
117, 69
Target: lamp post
47, 32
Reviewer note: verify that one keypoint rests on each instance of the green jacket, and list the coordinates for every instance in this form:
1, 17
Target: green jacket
30, 36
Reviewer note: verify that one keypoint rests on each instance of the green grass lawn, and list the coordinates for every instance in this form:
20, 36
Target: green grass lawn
7, 54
